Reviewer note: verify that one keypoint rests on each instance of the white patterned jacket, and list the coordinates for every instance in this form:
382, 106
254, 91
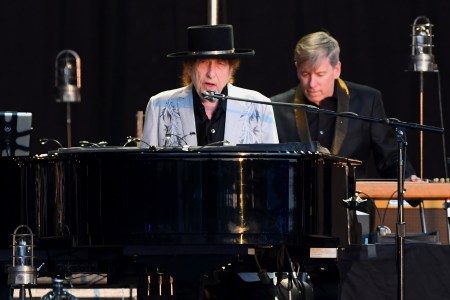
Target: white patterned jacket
170, 114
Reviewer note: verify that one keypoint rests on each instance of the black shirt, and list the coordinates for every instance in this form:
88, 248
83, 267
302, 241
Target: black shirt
321, 126
209, 131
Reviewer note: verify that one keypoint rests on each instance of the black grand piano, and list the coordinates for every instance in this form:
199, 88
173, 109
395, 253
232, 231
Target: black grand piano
249, 194
188, 200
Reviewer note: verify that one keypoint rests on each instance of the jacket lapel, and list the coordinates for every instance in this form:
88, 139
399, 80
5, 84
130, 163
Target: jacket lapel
300, 117
341, 126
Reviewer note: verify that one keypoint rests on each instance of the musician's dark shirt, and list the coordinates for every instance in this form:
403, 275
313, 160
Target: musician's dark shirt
321, 126
209, 131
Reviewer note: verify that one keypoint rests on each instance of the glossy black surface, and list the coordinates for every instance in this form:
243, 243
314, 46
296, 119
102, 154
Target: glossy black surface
127, 196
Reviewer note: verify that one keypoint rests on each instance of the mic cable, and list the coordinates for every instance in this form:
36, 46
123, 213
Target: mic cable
44, 141
180, 139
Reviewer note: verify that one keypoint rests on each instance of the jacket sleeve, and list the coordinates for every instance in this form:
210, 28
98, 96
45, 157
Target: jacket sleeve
150, 132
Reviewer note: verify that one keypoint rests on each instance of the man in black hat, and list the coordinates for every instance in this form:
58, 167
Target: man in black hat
183, 116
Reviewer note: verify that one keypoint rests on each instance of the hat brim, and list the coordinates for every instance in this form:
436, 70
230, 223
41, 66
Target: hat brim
186, 55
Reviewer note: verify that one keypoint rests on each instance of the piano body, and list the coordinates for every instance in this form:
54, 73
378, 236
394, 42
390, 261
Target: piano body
200, 201
111, 196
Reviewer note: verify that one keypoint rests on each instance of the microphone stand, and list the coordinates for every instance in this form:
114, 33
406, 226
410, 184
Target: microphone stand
400, 128
401, 225
393, 122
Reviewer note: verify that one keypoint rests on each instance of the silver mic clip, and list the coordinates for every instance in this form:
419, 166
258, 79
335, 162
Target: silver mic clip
212, 96
353, 201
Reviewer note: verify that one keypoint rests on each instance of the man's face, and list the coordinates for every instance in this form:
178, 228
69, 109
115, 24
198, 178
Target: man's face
210, 74
317, 83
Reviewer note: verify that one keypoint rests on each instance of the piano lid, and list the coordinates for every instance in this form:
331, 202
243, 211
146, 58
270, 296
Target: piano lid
297, 147
294, 148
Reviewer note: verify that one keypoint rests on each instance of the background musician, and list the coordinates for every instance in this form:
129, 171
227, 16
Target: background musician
316, 59
318, 67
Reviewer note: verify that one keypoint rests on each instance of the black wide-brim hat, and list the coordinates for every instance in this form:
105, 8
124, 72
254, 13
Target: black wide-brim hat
211, 41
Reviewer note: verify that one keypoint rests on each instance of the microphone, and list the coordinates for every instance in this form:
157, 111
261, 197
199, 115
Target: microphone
68, 77
180, 139
422, 58
211, 96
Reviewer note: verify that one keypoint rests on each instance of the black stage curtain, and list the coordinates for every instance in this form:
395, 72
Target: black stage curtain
122, 45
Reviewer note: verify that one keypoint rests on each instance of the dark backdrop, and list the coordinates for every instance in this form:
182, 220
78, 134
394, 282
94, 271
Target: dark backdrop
122, 45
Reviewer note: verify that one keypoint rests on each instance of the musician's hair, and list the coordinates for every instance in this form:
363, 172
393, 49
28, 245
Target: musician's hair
316, 45
187, 65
